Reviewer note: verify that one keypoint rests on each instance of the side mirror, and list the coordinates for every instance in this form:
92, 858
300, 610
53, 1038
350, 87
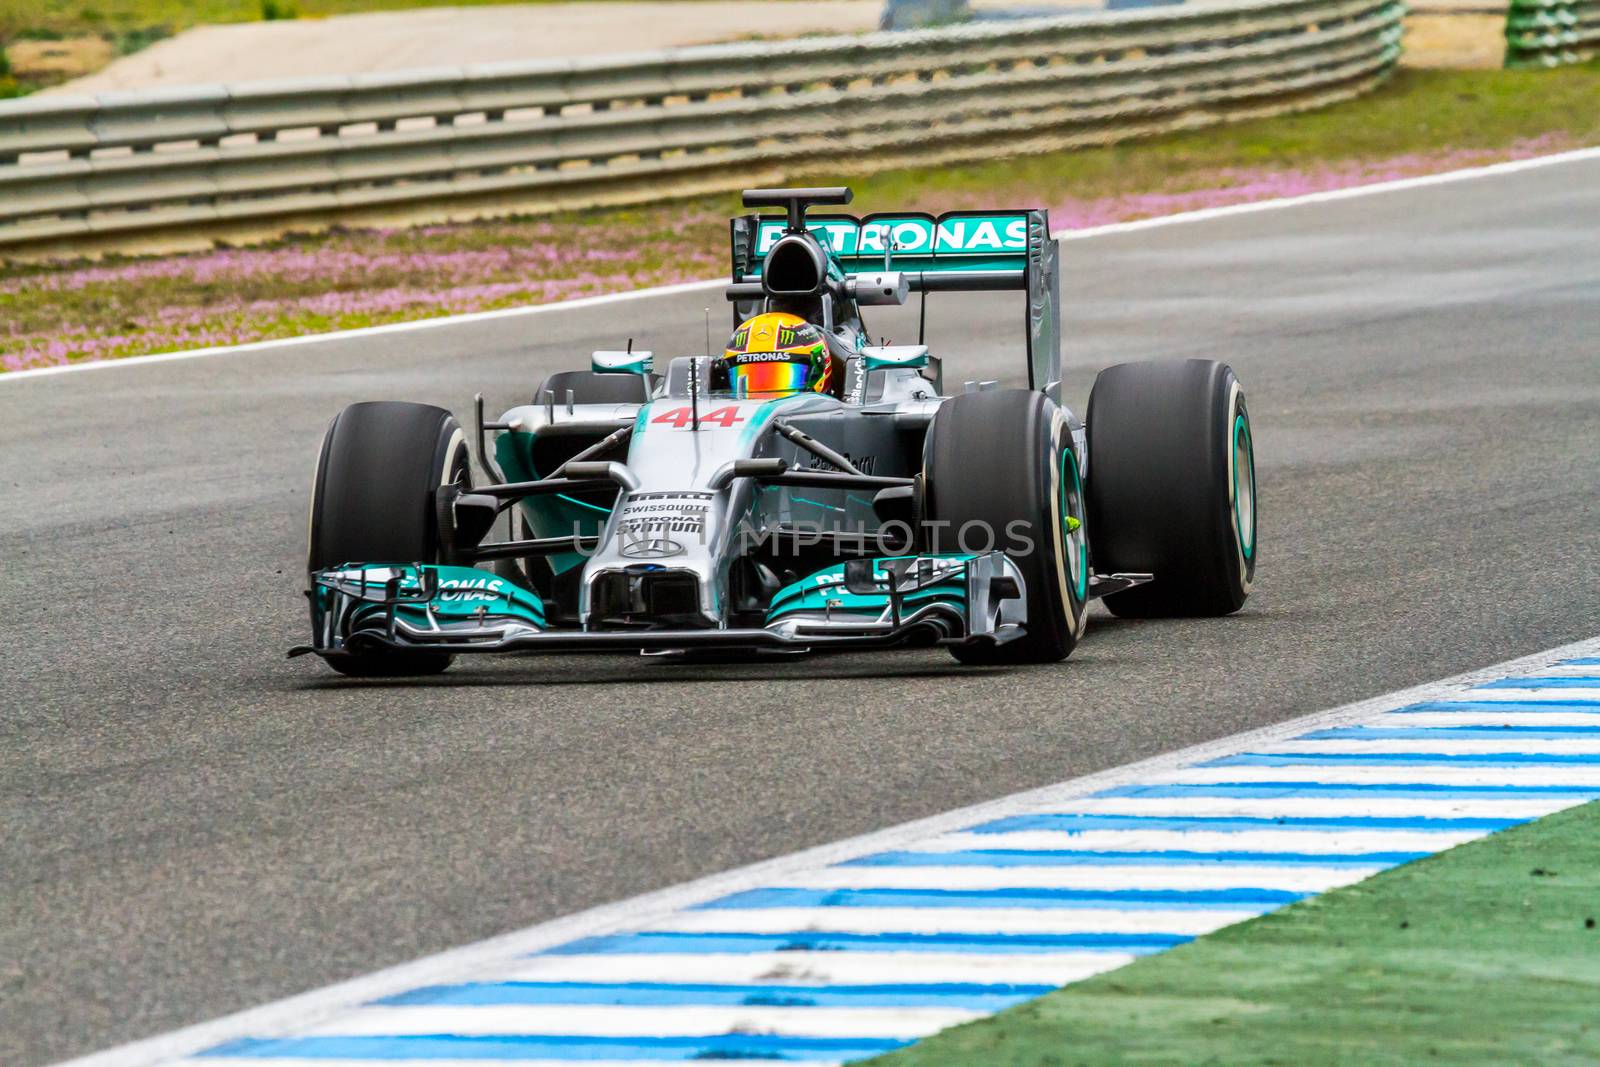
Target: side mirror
877, 358
621, 362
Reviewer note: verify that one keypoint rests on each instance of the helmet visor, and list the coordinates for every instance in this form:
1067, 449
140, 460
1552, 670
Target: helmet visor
769, 376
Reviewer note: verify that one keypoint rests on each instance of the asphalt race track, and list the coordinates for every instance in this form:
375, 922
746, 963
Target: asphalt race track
190, 825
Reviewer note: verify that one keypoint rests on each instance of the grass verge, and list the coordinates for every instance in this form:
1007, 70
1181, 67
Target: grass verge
1421, 121
1488, 953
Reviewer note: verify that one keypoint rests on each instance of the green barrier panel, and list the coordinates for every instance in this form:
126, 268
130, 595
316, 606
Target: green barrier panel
1551, 33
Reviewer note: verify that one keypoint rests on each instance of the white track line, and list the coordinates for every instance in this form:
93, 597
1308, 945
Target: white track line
955, 920
678, 1020
1534, 693
1286, 839
504, 957
1396, 774
1578, 746
1178, 876
321, 1062
823, 968
1572, 717
1352, 805
1088, 233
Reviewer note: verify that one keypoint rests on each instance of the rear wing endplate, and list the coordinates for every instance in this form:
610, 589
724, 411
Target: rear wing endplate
958, 251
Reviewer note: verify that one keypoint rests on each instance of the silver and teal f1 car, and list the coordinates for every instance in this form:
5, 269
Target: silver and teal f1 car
644, 507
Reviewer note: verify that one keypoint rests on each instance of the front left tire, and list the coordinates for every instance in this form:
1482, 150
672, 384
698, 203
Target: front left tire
373, 501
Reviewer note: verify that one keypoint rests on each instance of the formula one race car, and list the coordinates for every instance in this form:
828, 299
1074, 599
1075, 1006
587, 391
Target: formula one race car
805, 490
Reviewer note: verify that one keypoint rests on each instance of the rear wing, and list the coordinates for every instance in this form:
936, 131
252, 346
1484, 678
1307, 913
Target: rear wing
958, 251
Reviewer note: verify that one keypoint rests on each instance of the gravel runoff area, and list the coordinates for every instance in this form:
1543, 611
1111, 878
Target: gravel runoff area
1421, 122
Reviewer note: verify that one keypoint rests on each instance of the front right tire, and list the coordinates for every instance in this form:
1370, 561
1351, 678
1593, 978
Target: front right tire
1001, 463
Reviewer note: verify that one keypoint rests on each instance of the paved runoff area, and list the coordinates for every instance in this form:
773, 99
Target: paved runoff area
823, 962
379, 42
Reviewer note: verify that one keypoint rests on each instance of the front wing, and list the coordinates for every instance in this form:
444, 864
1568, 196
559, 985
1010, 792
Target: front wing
908, 600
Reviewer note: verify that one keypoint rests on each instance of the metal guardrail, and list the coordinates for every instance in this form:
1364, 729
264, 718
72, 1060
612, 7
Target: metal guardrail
1551, 33
483, 139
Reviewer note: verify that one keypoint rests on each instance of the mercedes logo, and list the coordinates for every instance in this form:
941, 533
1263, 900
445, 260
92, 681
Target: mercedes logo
651, 548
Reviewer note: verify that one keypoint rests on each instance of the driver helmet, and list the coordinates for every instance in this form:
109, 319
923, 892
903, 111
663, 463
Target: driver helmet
776, 354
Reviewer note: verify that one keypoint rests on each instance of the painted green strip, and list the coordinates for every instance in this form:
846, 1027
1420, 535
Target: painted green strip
814, 592
1247, 539
583, 504
1485, 954
762, 416
1069, 462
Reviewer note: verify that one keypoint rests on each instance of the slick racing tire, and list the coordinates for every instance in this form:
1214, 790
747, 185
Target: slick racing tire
1003, 462
373, 500
1172, 487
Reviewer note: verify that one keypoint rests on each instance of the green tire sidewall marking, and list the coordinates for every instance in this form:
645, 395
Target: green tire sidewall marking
1081, 582
1241, 431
